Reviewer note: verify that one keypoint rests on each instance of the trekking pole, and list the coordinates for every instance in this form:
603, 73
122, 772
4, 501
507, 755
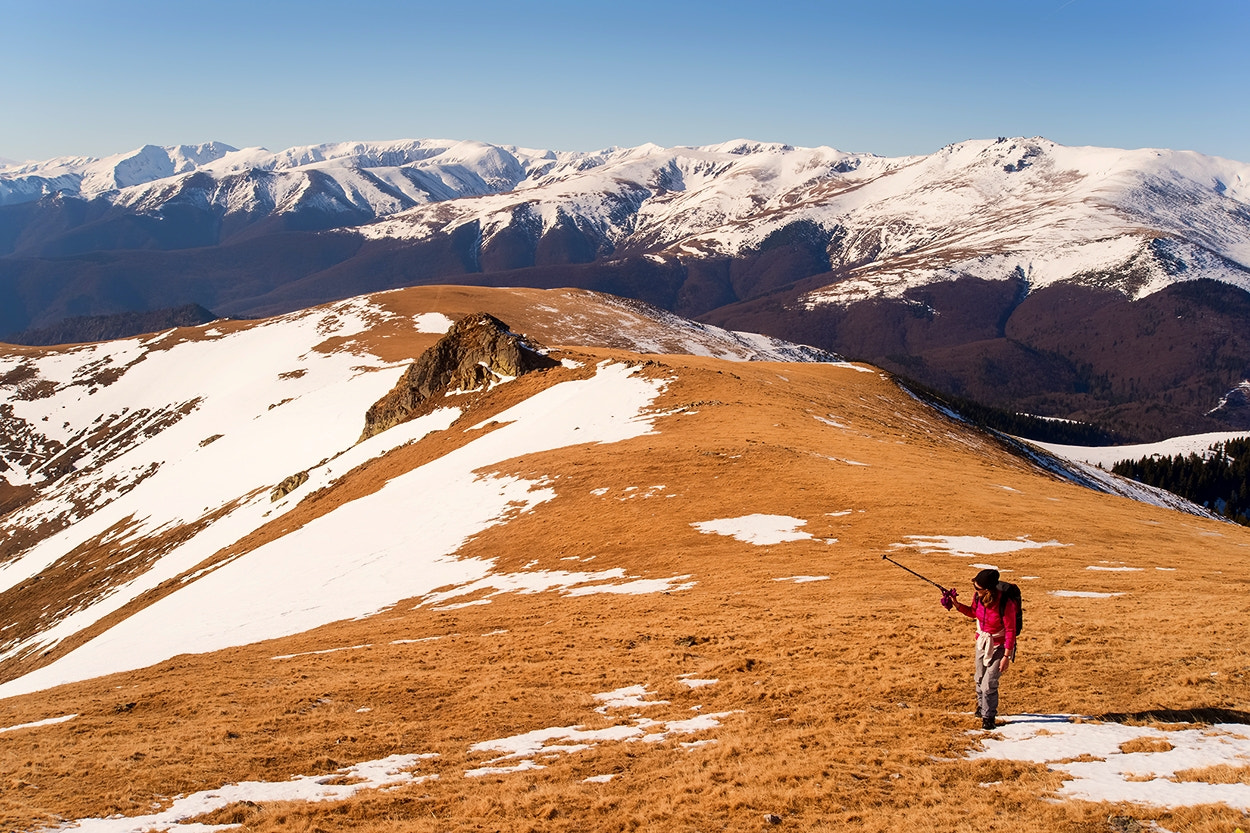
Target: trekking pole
948, 596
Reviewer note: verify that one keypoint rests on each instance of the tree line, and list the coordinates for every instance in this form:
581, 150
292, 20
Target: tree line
1025, 426
1218, 479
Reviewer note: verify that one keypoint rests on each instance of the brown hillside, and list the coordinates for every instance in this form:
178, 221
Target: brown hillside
844, 702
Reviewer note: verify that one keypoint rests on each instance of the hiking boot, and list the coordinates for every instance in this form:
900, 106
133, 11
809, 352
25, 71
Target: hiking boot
987, 723
977, 713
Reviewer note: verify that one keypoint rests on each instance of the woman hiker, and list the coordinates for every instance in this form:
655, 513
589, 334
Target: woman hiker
996, 639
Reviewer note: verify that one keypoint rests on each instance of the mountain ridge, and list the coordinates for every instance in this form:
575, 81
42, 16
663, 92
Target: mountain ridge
642, 588
917, 264
155, 459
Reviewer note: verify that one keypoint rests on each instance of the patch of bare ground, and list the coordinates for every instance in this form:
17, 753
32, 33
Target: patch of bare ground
12, 497
1146, 745
845, 702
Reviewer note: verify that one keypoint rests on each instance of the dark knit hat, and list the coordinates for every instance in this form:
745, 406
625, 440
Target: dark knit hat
987, 579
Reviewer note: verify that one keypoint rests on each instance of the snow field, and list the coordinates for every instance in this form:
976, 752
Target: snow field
964, 546
1107, 456
234, 379
568, 582
390, 772
759, 529
358, 560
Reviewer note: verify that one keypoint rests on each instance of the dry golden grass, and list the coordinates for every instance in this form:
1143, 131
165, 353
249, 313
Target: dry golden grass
1221, 774
1146, 745
850, 698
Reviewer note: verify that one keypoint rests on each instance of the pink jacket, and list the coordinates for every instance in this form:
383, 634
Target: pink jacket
989, 620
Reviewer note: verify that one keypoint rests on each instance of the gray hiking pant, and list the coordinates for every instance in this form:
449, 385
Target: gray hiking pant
985, 678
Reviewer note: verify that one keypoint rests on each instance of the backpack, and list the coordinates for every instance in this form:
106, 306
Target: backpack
1011, 592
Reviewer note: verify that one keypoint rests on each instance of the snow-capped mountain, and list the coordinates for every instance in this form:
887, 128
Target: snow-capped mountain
377, 177
1007, 209
990, 209
1055, 265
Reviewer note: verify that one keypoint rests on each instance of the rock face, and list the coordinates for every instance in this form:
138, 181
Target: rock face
288, 485
478, 350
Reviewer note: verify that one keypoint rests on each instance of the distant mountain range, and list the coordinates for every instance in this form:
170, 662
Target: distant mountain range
1080, 283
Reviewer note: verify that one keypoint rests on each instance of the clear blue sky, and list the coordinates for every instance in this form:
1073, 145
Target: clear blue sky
893, 77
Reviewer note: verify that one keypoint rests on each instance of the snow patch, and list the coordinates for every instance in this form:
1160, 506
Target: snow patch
971, 545
633, 696
51, 721
390, 772
432, 322
757, 529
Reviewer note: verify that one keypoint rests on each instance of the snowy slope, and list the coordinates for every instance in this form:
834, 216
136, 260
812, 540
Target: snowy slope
1074, 463
356, 560
1044, 213
718, 199
90, 177
1107, 456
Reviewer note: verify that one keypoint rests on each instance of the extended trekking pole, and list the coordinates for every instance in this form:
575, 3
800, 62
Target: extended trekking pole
948, 596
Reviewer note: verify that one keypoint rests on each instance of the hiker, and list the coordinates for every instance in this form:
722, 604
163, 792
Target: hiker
996, 615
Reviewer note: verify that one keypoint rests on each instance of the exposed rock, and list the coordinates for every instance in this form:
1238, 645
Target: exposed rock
478, 350
288, 485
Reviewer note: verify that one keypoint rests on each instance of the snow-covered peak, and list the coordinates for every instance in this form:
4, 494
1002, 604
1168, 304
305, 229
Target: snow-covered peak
745, 147
358, 154
148, 164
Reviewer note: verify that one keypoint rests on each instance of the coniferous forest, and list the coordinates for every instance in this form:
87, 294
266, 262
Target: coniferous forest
1218, 479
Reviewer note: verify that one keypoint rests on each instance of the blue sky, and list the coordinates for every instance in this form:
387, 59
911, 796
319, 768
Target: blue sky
893, 77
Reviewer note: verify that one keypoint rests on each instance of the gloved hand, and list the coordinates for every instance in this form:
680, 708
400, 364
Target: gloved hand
948, 598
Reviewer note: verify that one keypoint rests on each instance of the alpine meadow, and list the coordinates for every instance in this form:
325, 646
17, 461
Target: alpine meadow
449, 486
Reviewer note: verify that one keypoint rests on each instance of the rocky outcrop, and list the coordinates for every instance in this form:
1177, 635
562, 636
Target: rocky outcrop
288, 485
478, 350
